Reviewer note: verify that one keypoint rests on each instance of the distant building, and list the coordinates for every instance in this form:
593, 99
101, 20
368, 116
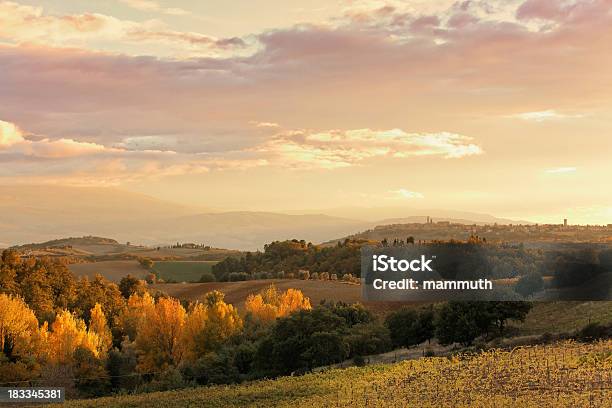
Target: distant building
565, 222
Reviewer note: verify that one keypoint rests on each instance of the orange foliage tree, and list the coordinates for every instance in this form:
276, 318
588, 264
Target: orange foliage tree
268, 305
159, 334
209, 325
132, 316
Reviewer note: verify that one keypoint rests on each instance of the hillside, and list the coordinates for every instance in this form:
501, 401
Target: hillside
529, 234
526, 376
44, 213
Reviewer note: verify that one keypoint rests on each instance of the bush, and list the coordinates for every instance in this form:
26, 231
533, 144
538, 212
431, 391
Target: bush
314, 276
529, 284
594, 331
367, 339
146, 263
213, 368
238, 276
171, 379
207, 277
409, 327
457, 322
463, 322
261, 275
128, 285
280, 275
324, 276
302, 341
359, 361
151, 278
304, 274
333, 277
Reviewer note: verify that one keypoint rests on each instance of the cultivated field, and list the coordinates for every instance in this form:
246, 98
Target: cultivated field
544, 317
111, 270
237, 292
182, 271
563, 375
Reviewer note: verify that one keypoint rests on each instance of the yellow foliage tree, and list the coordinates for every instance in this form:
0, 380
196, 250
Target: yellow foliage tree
209, 325
159, 334
269, 304
138, 306
68, 334
18, 324
99, 326
293, 300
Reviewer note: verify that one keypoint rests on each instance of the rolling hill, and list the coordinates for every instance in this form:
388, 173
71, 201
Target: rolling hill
43, 213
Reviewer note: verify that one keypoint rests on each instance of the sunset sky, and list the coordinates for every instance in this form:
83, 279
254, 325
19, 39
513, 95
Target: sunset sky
500, 107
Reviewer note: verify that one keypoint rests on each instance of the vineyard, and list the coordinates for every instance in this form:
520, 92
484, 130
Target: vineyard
563, 375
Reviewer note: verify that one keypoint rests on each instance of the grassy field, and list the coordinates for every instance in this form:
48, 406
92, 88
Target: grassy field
558, 317
111, 270
182, 271
563, 375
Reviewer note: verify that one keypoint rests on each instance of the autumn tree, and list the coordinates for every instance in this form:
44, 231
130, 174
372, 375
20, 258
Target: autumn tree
17, 323
209, 325
98, 290
131, 317
128, 285
159, 334
268, 305
67, 334
99, 326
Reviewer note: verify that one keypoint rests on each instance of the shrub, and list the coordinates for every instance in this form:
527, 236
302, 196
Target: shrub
146, 263
261, 275
333, 277
529, 284
128, 285
409, 327
594, 331
324, 276
359, 361
213, 368
367, 339
304, 274
151, 278
238, 276
314, 276
207, 277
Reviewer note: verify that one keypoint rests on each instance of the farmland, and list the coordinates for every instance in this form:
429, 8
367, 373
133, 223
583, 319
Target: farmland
111, 270
237, 292
563, 375
182, 271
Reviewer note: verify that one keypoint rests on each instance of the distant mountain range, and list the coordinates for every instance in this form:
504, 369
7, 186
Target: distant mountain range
41, 213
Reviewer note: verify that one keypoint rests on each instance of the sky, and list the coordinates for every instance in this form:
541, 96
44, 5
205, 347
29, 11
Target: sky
500, 107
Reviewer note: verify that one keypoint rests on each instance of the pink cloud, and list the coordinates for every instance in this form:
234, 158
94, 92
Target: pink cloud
372, 74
